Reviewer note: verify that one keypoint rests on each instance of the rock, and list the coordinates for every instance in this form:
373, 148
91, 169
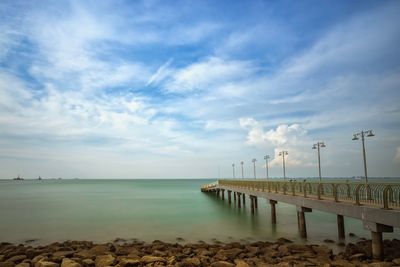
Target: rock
352, 235
296, 248
70, 263
322, 250
358, 256
191, 262
104, 260
85, 254
150, 259
46, 264
352, 249
396, 261
222, 264
381, 264
99, 250
127, 262
2, 258
283, 250
31, 253
342, 263
17, 259
38, 258
58, 256
23, 264
88, 262
330, 241
231, 254
241, 263
6, 264
283, 241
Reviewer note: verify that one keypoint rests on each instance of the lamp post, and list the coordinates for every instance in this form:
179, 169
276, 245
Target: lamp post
241, 163
266, 157
233, 170
283, 153
363, 134
317, 146
254, 165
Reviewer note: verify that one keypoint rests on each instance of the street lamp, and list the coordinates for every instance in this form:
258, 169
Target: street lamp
283, 153
317, 146
233, 170
363, 134
241, 163
254, 165
266, 157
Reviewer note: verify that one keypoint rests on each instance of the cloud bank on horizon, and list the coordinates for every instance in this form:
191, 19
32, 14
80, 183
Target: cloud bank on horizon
147, 89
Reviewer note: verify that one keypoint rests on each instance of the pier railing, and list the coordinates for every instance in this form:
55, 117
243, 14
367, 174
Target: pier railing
383, 195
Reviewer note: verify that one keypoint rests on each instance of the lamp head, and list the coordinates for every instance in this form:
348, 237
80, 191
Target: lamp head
254, 160
370, 134
354, 137
323, 144
241, 162
314, 146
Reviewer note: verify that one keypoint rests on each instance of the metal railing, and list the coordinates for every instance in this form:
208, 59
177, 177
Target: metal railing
383, 195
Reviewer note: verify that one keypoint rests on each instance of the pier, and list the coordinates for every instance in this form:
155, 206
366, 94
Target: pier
377, 205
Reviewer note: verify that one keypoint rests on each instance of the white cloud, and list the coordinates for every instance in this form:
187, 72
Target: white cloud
283, 134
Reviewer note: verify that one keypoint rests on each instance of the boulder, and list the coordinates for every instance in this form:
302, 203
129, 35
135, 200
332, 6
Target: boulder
104, 260
23, 264
150, 259
17, 258
229, 253
6, 264
70, 263
128, 262
44, 263
222, 264
241, 263
100, 250
88, 263
191, 262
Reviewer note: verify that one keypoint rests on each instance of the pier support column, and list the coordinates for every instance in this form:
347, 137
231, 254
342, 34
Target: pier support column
223, 194
244, 199
273, 210
252, 204
376, 235
340, 225
239, 200
229, 197
255, 202
234, 197
302, 220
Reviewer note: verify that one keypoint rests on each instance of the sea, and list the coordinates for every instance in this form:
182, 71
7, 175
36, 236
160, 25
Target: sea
170, 210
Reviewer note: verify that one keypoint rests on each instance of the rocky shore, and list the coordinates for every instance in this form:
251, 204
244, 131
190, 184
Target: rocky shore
125, 254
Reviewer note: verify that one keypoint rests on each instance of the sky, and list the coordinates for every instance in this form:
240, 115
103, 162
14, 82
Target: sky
185, 89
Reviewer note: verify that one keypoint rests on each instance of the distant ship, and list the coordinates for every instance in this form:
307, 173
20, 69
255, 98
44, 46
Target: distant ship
18, 178
40, 178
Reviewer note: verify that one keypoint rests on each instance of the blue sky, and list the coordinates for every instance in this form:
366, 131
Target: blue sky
178, 89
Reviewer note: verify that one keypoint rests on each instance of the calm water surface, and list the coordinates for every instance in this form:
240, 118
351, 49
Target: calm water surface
102, 210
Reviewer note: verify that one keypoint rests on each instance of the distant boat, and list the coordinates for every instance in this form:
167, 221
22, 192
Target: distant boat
18, 178
40, 178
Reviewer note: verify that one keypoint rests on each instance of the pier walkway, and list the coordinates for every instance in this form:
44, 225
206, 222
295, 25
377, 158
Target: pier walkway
376, 204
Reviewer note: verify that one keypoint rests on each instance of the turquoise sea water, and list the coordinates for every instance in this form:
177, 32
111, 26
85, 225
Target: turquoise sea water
102, 210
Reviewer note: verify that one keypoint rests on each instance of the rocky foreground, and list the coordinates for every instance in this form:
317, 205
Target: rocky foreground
120, 253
